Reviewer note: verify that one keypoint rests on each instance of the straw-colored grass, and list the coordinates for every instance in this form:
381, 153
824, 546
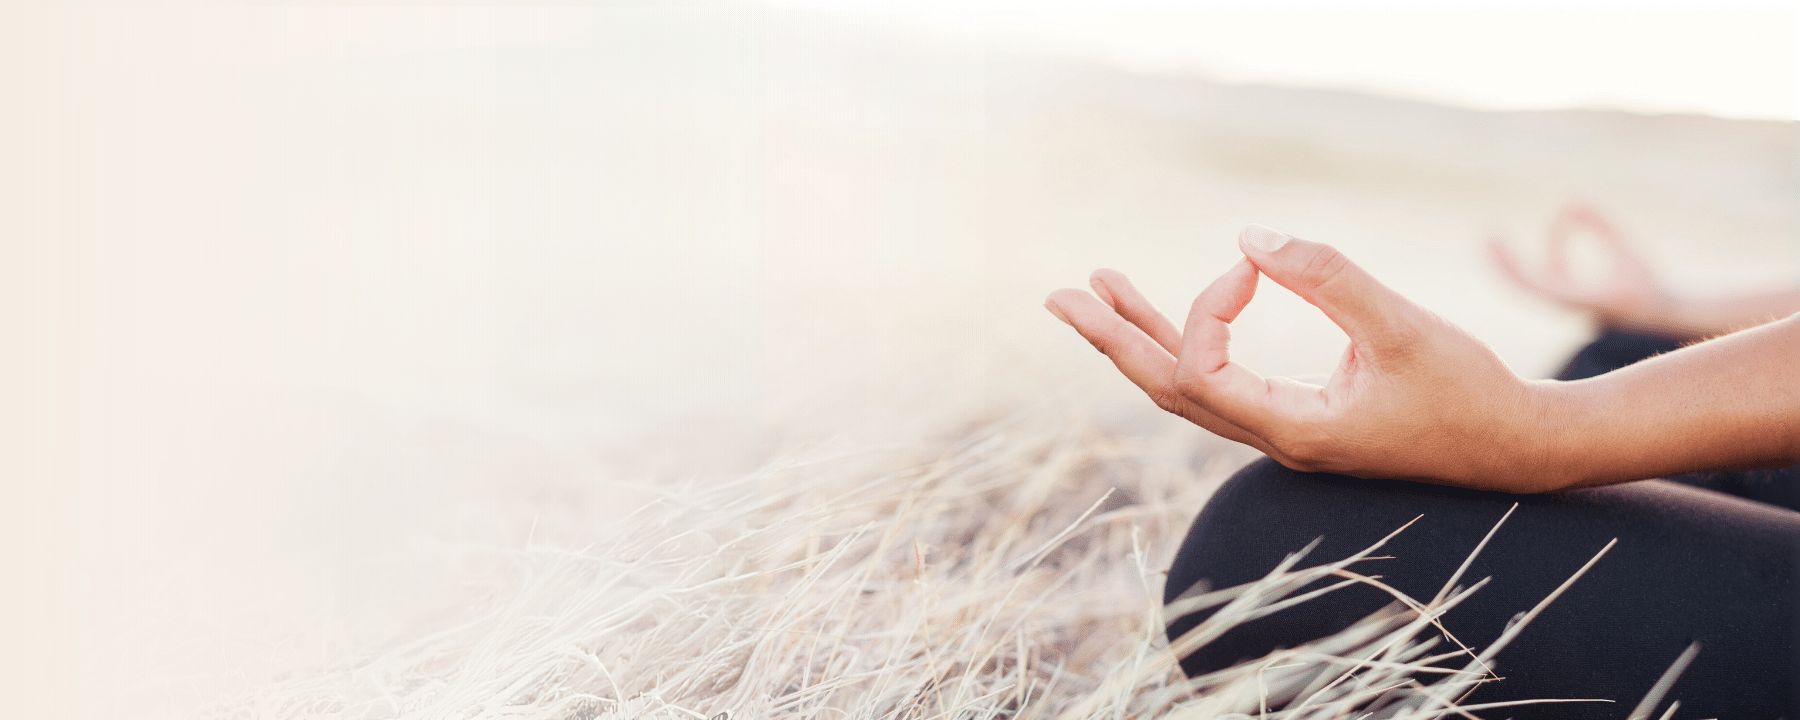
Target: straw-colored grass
1011, 570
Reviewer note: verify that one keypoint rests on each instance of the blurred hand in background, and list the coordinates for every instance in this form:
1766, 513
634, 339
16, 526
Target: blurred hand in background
1628, 295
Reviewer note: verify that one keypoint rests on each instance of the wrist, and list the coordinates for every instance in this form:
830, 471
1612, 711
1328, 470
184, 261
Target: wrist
1517, 442
1554, 430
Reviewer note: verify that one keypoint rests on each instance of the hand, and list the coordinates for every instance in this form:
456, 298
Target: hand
1630, 296
1414, 397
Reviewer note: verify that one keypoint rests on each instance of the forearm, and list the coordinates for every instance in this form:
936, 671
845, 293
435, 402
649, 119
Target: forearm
1731, 402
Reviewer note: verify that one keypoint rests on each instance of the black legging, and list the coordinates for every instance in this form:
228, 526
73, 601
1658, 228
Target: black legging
1692, 564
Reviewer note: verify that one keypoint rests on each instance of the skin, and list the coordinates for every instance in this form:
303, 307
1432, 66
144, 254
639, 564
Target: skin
1414, 397
1631, 296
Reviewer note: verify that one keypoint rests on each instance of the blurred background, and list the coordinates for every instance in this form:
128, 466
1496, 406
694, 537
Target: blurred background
309, 314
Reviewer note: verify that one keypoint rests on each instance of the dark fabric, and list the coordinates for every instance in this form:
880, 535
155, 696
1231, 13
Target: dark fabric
1615, 349
1695, 561
1775, 487
1690, 565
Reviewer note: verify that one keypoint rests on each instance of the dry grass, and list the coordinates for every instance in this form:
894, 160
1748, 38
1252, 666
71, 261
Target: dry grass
1006, 571
351, 321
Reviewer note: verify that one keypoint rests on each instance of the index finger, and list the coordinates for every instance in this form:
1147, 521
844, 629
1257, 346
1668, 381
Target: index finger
1116, 290
1141, 360
1364, 308
1205, 374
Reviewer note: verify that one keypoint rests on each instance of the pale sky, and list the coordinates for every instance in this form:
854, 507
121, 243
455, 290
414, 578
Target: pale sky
1732, 59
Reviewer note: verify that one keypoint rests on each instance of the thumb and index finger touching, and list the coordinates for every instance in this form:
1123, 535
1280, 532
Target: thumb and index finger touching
1318, 273
1552, 278
1326, 279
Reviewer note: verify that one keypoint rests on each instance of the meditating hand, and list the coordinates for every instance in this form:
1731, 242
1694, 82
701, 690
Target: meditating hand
1628, 295
1413, 397
1416, 398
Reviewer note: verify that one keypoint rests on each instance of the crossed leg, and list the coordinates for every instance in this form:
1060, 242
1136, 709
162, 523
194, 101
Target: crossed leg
1691, 564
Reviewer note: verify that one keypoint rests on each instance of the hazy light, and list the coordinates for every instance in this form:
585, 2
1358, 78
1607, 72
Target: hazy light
1736, 60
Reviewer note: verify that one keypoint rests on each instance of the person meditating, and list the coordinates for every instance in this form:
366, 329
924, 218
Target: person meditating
1421, 418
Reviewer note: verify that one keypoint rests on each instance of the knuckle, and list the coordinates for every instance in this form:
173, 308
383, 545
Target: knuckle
1409, 336
1109, 340
1168, 401
1324, 265
1404, 347
1188, 384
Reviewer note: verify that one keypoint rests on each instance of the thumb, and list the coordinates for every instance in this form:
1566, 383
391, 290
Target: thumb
1322, 276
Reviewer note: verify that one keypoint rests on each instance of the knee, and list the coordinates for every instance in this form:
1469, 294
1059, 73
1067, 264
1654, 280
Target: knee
1266, 511
1250, 516
1256, 518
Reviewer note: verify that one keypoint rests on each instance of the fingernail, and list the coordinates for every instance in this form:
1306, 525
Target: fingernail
1058, 313
1262, 238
